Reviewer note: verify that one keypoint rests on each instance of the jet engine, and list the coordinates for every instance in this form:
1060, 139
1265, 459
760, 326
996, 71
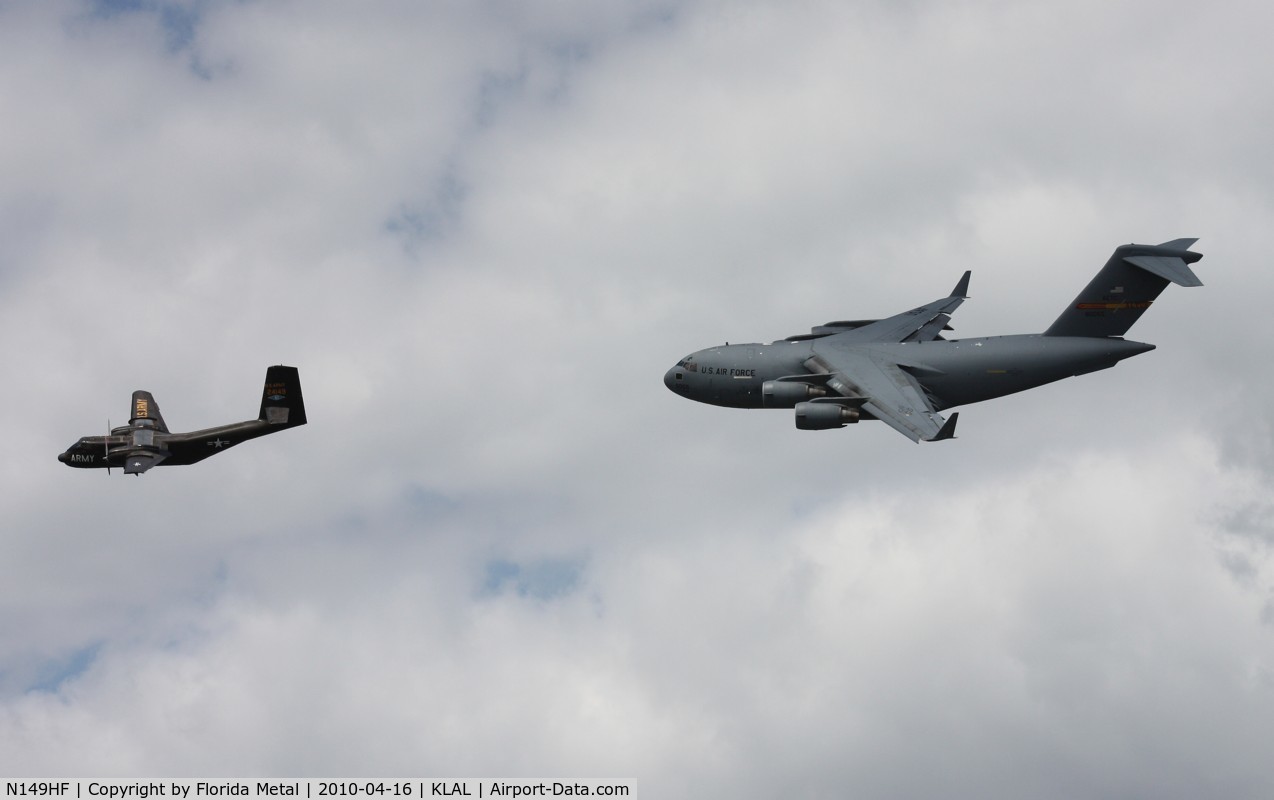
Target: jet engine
786, 394
824, 416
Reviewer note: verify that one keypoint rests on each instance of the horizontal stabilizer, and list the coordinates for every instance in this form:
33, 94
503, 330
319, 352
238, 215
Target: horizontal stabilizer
1170, 268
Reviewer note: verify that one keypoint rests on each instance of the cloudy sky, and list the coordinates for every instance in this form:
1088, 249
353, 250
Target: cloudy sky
501, 548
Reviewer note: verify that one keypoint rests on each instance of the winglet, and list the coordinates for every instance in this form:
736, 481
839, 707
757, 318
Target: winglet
962, 288
948, 430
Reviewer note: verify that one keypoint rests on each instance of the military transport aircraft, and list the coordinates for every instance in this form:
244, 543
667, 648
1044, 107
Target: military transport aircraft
146, 441
902, 371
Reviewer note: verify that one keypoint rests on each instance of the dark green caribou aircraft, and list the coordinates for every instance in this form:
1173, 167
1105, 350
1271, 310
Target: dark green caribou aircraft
901, 370
146, 441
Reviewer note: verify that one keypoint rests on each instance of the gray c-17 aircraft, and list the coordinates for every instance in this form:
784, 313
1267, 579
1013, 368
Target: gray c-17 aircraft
146, 442
901, 371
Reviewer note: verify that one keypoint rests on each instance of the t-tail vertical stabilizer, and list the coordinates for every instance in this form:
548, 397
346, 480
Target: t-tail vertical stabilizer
1124, 288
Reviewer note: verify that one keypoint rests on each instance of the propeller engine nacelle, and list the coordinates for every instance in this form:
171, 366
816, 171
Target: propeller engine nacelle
786, 394
824, 416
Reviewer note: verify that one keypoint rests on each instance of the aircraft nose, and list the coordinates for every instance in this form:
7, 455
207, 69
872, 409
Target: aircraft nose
63, 457
675, 379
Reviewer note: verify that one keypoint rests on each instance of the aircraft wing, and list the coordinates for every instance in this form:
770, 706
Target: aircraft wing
893, 396
137, 463
145, 407
921, 324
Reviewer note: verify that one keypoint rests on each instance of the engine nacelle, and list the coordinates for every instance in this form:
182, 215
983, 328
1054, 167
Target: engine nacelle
824, 416
786, 394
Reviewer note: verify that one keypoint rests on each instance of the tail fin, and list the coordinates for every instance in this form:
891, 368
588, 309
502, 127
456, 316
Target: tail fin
1131, 280
281, 401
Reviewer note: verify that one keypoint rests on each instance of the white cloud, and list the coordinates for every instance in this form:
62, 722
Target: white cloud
1067, 628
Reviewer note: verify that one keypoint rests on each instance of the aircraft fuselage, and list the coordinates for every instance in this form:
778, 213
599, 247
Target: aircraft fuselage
953, 372
99, 452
